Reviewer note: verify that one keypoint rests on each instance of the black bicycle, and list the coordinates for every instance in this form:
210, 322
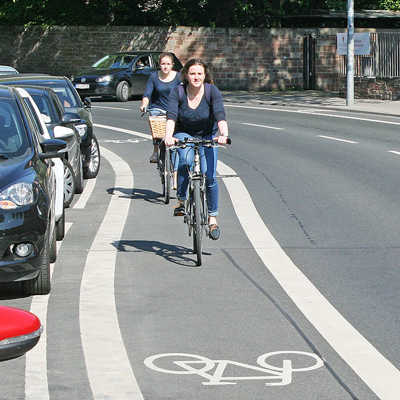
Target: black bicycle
196, 210
164, 158
166, 170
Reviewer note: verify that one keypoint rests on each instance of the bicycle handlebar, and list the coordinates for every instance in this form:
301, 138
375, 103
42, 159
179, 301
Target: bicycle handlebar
200, 142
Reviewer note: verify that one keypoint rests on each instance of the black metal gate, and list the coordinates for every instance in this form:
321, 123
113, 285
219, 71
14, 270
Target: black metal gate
309, 62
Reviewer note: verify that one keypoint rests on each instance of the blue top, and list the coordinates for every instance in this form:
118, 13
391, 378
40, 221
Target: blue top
158, 91
201, 121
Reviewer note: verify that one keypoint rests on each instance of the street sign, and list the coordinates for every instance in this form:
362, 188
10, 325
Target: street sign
362, 46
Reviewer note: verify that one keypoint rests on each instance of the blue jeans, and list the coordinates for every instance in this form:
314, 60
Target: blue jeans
208, 165
174, 154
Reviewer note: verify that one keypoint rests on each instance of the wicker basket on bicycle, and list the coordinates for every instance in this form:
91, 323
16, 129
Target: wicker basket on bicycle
157, 126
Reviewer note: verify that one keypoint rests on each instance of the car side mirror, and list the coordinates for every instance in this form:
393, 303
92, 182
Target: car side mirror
62, 132
87, 102
52, 148
70, 118
13, 321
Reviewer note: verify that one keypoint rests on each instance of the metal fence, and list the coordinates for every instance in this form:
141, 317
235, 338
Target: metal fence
384, 60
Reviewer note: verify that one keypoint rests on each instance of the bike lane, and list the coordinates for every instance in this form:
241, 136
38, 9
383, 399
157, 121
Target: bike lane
231, 309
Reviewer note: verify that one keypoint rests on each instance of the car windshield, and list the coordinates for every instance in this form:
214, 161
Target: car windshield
114, 61
13, 139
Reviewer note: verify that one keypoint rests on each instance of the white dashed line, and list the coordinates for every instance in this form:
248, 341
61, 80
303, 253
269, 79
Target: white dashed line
112, 108
262, 126
113, 128
337, 139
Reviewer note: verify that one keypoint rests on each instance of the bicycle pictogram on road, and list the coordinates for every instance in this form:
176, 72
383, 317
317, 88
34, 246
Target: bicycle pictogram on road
215, 371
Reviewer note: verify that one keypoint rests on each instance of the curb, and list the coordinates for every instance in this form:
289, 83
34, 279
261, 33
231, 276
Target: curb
333, 108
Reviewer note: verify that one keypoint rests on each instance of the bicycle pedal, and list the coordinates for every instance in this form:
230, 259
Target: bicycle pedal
185, 219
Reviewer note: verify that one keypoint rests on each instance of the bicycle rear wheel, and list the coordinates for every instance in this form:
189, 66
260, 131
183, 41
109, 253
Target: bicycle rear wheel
197, 222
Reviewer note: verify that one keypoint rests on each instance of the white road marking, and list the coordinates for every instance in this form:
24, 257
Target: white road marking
394, 152
314, 113
262, 126
337, 139
36, 384
85, 195
112, 108
113, 128
108, 367
366, 361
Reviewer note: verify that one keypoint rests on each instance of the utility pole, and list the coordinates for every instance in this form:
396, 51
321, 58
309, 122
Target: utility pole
350, 53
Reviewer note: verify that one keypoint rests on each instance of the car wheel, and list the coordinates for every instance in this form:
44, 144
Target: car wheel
42, 283
122, 91
92, 159
69, 184
60, 227
79, 177
53, 248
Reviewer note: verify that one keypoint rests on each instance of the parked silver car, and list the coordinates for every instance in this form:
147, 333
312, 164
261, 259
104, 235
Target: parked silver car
61, 125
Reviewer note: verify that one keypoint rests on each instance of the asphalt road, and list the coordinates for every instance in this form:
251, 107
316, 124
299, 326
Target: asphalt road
297, 300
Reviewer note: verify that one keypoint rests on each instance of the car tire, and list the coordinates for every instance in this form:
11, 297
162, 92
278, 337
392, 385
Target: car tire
122, 91
53, 247
69, 184
42, 283
79, 178
60, 227
92, 159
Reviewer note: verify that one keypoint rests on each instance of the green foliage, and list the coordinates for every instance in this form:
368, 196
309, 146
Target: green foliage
393, 5
214, 13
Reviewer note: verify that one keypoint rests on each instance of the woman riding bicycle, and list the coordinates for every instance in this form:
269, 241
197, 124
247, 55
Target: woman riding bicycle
196, 110
158, 88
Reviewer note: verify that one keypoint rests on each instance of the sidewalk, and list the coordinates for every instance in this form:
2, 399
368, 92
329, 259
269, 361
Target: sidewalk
313, 98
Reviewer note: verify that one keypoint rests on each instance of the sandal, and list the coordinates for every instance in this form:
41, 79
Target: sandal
215, 232
179, 210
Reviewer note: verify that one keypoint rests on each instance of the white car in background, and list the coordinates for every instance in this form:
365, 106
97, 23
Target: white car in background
58, 165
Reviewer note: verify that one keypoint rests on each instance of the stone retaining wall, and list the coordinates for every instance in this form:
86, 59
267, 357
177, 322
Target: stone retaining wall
249, 59
253, 59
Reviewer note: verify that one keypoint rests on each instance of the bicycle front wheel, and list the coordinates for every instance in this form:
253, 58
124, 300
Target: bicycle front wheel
167, 176
197, 225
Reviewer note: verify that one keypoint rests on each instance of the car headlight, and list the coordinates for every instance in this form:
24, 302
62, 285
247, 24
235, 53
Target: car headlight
105, 78
82, 129
20, 194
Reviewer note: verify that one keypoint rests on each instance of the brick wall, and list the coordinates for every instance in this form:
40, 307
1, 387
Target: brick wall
253, 59
249, 59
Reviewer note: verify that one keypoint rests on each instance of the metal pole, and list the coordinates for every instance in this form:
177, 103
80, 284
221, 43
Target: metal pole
350, 53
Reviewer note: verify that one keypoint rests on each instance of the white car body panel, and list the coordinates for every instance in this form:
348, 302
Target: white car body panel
58, 166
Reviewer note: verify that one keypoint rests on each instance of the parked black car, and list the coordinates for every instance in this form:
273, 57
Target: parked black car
72, 103
27, 195
119, 75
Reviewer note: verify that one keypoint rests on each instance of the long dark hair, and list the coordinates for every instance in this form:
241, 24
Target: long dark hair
196, 61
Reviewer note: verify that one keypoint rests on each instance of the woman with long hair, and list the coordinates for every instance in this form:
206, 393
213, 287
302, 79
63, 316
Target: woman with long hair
197, 111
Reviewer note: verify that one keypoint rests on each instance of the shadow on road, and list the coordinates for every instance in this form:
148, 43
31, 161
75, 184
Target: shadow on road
175, 254
137, 194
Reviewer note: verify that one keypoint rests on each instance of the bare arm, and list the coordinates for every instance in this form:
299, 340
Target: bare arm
169, 131
145, 103
223, 131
